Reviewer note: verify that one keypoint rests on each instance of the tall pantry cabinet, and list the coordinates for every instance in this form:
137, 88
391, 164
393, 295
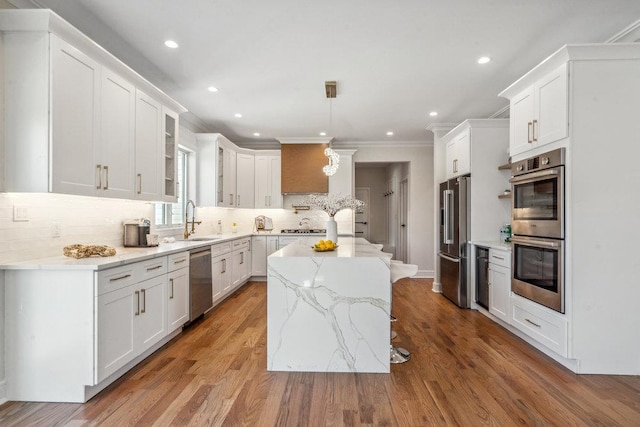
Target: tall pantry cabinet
77, 120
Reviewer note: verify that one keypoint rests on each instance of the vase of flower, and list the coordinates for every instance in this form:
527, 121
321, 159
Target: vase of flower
332, 229
332, 204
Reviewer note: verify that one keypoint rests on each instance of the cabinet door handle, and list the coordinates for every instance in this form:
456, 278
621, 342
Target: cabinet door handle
224, 266
535, 125
139, 183
533, 323
115, 279
137, 313
241, 257
266, 203
99, 176
529, 131
106, 169
144, 300
269, 200
177, 189
171, 297
238, 200
154, 268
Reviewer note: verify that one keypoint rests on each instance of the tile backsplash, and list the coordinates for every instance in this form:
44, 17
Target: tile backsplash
94, 220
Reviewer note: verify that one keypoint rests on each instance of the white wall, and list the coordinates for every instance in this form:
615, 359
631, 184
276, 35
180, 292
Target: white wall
420, 214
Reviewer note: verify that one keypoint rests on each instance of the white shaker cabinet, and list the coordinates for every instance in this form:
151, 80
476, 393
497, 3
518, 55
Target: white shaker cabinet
245, 176
259, 255
221, 276
73, 120
149, 176
500, 284
267, 181
458, 155
539, 113
170, 120
241, 262
177, 291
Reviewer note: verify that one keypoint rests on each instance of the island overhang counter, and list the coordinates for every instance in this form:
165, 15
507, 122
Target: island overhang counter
328, 311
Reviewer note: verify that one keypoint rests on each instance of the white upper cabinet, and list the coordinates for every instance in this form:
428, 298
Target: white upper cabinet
245, 185
149, 175
458, 155
74, 126
225, 173
170, 122
76, 118
267, 181
539, 113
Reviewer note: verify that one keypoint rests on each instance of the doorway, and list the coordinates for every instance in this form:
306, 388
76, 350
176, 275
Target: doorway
362, 215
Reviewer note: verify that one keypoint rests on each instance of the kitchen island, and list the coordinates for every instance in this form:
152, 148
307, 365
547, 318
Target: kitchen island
328, 311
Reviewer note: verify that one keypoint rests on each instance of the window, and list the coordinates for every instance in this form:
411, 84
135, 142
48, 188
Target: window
169, 215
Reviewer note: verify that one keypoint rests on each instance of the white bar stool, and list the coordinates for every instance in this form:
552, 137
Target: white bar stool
399, 270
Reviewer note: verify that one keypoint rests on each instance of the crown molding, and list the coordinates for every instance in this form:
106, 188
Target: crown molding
381, 144
305, 140
631, 34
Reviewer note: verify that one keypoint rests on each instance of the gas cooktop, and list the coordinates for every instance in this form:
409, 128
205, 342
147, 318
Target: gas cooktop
304, 230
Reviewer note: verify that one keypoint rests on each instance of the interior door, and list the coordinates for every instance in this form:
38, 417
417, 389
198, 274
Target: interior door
362, 216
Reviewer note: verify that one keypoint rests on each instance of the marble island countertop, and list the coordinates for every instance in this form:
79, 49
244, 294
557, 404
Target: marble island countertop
348, 247
328, 311
124, 255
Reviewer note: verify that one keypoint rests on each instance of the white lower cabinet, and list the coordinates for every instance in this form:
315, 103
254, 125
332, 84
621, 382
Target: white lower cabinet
499, 284
178, 291
259, 256
542, 324
241, 261
131, 314
221, 276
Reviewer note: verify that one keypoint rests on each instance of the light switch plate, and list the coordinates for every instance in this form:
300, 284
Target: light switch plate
20, 213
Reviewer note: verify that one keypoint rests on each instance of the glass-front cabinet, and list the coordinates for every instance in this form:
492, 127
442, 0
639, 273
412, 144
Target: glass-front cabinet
170, 127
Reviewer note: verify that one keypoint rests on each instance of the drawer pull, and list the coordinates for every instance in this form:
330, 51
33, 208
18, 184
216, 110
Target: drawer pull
533, 323
115, 279
180, 261
154, 268
497, 257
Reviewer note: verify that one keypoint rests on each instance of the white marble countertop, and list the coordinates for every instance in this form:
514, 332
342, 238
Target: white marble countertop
494, 245
348, 247
123, 255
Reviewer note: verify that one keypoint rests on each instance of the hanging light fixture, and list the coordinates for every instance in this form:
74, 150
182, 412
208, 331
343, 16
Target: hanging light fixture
333, 157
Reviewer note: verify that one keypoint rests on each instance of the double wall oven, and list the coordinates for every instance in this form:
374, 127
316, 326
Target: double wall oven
537, 189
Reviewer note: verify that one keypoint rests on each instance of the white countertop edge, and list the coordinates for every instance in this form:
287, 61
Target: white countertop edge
493, 244
123, 255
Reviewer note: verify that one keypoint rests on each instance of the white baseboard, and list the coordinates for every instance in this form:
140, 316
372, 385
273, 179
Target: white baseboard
437, 287
424, 274
3, 392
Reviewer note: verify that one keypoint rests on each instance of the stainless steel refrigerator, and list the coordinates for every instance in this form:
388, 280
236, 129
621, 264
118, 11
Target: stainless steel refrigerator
454, 233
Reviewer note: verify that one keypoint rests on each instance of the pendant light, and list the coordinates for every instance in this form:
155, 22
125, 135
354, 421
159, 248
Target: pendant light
332, 156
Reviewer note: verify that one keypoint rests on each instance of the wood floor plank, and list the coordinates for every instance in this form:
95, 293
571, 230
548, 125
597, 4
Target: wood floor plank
465, 370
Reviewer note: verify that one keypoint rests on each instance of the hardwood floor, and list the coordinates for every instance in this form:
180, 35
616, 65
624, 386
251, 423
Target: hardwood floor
465, 370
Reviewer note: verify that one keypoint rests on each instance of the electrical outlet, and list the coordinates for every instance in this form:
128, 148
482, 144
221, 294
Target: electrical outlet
55, 229
20, 213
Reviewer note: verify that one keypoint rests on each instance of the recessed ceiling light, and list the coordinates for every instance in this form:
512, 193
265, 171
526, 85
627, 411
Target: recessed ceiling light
483, 60
256, 134
433, 113
389, 133
323, 134
212, 89
238, 115
171, 44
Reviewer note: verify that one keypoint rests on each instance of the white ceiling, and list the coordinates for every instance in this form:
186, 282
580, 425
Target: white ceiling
394, 61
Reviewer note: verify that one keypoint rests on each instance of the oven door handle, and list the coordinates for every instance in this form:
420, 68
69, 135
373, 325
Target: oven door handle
534, 242
533, 176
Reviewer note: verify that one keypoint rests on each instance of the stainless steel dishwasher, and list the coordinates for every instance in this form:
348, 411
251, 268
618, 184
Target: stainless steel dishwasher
200, 282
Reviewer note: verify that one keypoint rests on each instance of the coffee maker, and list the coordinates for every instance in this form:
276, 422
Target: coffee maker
135, 232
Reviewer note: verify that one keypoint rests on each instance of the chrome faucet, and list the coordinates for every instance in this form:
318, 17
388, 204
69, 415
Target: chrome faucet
304, 222
193, 221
